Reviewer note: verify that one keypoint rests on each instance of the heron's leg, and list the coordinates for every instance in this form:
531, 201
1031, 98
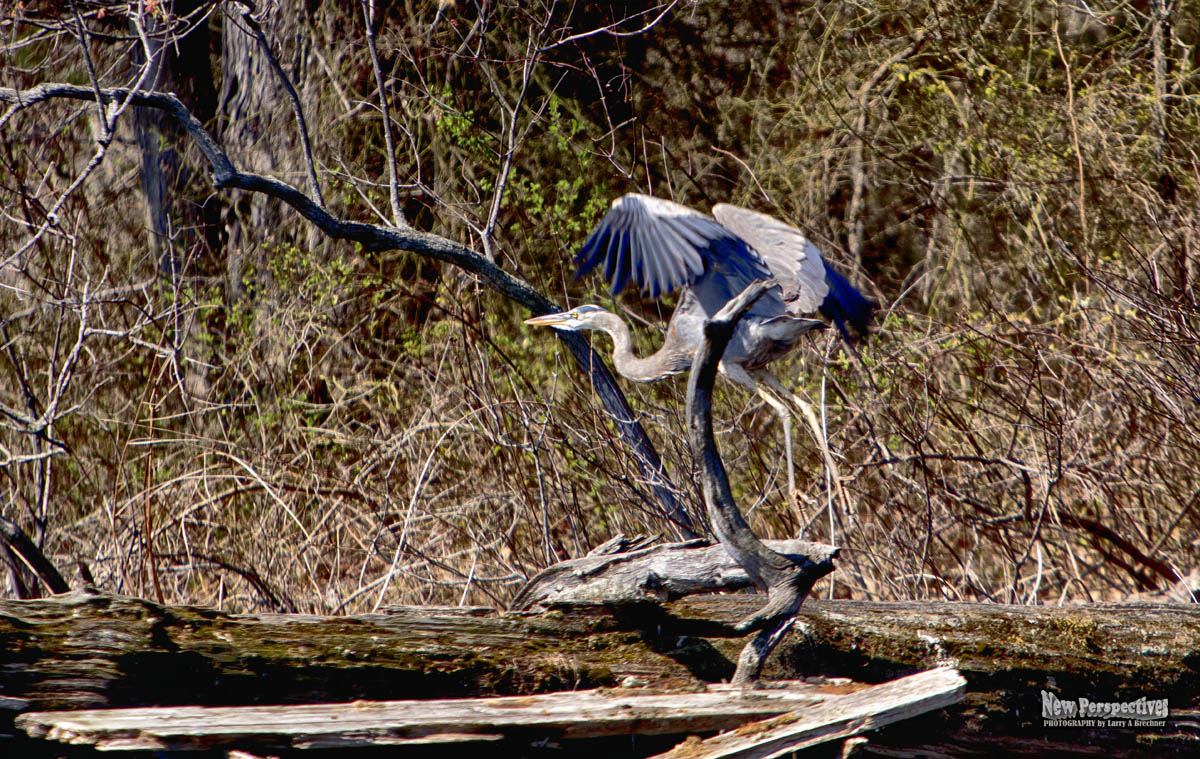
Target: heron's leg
814, 427
738, 374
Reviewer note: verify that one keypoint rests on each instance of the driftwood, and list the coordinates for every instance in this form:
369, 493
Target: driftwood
846, 710
663, 572
832, 719
84, 650
786, 572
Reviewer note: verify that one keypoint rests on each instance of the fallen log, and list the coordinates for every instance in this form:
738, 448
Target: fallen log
88, 650
569, 715
85, 650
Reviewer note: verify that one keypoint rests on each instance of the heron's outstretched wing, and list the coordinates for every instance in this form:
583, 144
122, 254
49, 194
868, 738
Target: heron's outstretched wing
808, 282
660, 246
794, 261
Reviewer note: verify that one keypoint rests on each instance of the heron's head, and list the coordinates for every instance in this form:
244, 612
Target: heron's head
581, 317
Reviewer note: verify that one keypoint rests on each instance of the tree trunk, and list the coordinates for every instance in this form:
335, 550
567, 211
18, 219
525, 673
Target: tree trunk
260, 133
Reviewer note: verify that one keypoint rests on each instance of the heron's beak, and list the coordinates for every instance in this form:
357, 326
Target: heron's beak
549, 320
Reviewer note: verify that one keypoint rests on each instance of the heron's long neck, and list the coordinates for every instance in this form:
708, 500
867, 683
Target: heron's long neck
668, 360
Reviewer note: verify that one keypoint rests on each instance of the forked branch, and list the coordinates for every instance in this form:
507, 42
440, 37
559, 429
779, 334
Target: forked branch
787, 579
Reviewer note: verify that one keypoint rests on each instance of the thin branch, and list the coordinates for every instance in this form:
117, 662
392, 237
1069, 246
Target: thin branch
858, 175
398, 219
610, 29
314, 187
81, 35
1062, 56
510, 132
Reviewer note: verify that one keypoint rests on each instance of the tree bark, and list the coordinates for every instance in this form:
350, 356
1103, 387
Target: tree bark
785, 579
27, 564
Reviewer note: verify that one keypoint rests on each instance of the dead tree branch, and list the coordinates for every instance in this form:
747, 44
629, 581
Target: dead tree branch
376, 238
18, 545
787, 579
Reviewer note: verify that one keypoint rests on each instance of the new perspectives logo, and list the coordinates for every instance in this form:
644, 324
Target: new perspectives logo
1085, 712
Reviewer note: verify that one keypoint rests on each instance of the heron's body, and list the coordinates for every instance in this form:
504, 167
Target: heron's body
661, 246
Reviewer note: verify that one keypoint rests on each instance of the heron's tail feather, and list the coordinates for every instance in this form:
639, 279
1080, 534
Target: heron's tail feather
846, 306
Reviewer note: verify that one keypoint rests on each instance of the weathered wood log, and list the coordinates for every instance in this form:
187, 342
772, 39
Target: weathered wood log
566, 715
663, 572
84, 650
1012, 656
832, 719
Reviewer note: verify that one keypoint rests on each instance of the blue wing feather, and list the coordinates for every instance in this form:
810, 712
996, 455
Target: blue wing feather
660, 246
622, 255
589, 253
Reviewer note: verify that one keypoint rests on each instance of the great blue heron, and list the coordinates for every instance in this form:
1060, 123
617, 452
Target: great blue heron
660, 245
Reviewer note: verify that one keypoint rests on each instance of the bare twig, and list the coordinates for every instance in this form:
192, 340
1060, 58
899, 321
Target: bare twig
1062, 56
611, 29
314, 187
398, 219
854, 220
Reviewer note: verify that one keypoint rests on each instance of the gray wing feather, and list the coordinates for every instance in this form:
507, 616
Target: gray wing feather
656, 266
677, 253
794, 261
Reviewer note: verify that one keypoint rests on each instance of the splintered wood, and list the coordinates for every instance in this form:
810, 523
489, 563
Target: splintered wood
833, 719
572, 715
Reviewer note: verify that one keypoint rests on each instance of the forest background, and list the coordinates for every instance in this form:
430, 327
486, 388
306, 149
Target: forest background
207, 399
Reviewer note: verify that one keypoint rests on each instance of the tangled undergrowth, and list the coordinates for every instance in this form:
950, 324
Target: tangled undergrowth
205, 401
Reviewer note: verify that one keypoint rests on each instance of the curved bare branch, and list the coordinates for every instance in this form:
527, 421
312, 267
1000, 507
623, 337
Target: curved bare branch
225, 175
